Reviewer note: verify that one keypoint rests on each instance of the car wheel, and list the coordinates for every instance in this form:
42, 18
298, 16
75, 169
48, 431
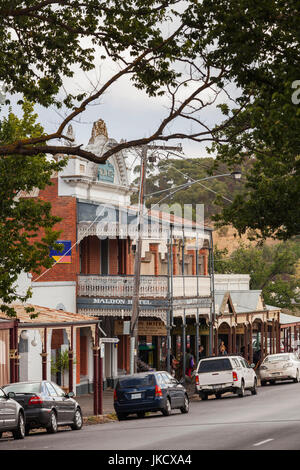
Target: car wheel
121, 416
263, 383
218, 395
241, 392
52, 428
19, 433
203, 396
186, 406
296, 379
254, 389
141, 414
77, 423
167, 409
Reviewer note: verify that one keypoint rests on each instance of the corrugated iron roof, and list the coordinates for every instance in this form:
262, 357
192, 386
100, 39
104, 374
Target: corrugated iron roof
46, 315
285, 319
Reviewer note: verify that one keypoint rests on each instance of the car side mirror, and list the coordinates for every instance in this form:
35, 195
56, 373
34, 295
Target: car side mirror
252, 365
70, 394
11, 395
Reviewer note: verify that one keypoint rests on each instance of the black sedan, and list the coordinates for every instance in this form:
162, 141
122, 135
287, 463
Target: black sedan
46, 405
11, 415
149, 391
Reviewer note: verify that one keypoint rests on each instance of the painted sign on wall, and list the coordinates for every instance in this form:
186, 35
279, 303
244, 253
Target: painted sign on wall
106, 172
63, 256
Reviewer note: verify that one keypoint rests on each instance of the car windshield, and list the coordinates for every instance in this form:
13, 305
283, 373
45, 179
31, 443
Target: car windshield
277, 357
34, 387
137, 382
214, 365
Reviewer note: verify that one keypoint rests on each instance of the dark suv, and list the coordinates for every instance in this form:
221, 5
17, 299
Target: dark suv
149, 391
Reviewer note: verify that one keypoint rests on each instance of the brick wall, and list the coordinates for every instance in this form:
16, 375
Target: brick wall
64, 207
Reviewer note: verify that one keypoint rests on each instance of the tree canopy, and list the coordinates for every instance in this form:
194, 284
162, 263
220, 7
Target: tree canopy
231, 49
26, 224
173, 172
272, 268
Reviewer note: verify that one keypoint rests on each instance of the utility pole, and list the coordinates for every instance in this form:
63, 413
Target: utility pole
212, 290
138, 253
137, 268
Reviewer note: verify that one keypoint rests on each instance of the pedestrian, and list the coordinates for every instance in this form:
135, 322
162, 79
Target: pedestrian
189, 363
222, 349
257, 358
201, 352
173, 363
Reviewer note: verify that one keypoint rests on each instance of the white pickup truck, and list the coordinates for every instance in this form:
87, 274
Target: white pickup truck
218, 375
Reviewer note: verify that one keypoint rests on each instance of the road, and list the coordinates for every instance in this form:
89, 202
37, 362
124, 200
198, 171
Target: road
268, 421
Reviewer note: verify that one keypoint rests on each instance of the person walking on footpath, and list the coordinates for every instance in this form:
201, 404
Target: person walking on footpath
189, 362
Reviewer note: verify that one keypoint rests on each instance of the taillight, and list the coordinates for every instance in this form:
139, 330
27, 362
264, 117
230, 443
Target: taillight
197, 379
158, 392
35, 400
115, 395
234, 376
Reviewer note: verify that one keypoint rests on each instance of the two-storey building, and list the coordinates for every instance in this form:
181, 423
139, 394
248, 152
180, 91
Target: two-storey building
93, 275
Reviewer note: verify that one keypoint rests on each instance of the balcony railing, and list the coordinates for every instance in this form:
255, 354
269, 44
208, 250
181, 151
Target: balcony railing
150, 286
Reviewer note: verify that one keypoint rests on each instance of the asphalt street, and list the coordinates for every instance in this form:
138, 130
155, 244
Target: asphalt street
269, 420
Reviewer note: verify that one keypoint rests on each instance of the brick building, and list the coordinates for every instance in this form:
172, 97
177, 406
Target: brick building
93, 275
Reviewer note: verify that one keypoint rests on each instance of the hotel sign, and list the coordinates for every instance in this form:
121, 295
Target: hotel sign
145, 328
106, 172
99, 302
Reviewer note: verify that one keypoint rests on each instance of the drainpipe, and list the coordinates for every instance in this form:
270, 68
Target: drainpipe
197, 313
184, 317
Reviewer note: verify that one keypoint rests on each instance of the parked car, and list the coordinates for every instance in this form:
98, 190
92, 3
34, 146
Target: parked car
46, 405
218, 375
149, 391
12, 417
281, 366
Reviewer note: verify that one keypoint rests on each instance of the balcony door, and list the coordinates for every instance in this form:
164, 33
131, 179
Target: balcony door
104, 254
94, 256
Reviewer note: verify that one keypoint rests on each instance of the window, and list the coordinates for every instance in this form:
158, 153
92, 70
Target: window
34, 387
2, 394
136, 382
277, 357
167, 378
51, 390
236, 363
160, 379
214, 365
58, 390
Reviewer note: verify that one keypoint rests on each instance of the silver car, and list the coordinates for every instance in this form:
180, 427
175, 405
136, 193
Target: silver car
12, 416
283, 366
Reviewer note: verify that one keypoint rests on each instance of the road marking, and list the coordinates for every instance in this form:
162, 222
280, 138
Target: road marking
262, 442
